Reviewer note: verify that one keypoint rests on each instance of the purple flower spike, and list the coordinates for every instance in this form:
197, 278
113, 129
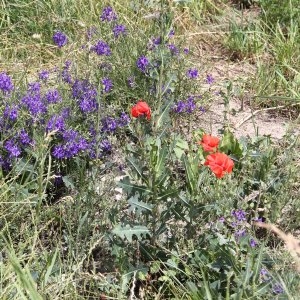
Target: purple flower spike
101, 48
6, 84
192, 73
171, 33
105, 146
142, 63
190, 105
107, 85
108, 14
186, 51
210, 79
43, 75
173, 49
179, 107
239, 215
118, 30
12, 148
60, 39
253, 243
278, 289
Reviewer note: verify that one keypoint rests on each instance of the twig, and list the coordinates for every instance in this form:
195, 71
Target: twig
262, 110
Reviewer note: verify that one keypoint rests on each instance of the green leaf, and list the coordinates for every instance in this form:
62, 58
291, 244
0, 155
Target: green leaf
230, 144
180, 147
136, 168
128, 231
131, 188
50, 267
68, 182
138, 206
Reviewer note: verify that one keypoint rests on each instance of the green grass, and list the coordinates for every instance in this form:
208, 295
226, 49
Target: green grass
146, 220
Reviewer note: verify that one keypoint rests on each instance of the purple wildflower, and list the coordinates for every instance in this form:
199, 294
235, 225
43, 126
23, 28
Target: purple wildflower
109, 124
58, 151
119, 29
24, 137
65, 74
179, 107
55, 123
239, 215
253, 243
277, 289
34, 103
221, 220
192, 73
209, 79
108, 14
65, 113
12, 148
43, 75
72, 145
6, 84
263, 272
105, 146
53, 96
142, 63
190, 105
60, 39
34, 87
240, 233
107, 85
171, 33
11, 112
173, 49
101, 48
186, 51
86, 95
154, 42
124, 120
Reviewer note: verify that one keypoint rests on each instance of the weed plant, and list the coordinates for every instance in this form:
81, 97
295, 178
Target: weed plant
104, 195
271, 41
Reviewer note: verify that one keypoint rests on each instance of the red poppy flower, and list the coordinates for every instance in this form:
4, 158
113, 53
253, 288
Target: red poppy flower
141, 109
219, 163
209, 143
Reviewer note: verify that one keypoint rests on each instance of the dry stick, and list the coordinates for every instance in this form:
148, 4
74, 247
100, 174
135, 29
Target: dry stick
292, 244
262, 110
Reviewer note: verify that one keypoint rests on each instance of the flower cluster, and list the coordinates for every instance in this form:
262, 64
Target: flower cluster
34, 101
142, 63
107, 85
187, 106
192, 73
119, 30
108, 14
219, 163
86, 95
60, 39
72, 144
6, 84
65, 74
110, 124
101, 48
